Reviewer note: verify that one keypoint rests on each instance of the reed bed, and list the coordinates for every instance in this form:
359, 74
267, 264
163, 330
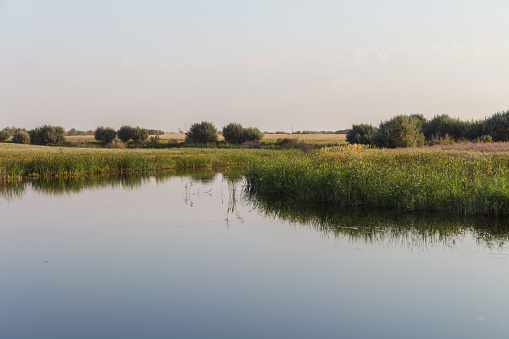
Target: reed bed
18, 161
427, 179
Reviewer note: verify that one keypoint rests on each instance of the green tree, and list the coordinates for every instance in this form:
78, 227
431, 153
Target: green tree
105, 134
126, 133
361, 134
443, 126
251, 134
497, 126
140, 134
5, 134
232, 133
399, 131
47, 135
21, 136
203, 133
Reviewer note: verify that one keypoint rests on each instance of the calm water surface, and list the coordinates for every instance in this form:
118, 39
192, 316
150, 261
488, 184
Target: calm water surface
189, 256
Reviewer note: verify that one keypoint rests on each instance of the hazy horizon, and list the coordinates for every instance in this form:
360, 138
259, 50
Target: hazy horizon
301, 65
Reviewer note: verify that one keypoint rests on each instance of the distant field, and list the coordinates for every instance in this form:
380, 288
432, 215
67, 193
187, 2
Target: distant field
310, 138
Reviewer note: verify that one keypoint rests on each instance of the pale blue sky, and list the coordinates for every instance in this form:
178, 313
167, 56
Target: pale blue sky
313, 65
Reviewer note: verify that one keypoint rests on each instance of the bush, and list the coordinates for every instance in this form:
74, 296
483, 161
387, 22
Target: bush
400, 131
234, 133
474, 129
497, 126
252, 134
361, 134
287, 142
47, 135
203, 133
444, 127
21, 137
105, 134
5, 134
483, 139
140, 134
126, 133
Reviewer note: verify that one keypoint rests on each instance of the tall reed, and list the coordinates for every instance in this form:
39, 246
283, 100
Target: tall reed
416, 179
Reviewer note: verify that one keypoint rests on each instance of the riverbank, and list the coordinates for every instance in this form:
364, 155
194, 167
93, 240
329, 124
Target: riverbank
473, 181
22, 161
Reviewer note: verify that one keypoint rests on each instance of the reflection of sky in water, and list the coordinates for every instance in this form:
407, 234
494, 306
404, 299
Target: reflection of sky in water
145, 262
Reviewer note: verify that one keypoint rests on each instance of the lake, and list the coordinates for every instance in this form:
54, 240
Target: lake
190, 255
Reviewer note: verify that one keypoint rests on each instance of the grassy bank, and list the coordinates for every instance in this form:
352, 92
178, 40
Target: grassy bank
429, 179
18, 161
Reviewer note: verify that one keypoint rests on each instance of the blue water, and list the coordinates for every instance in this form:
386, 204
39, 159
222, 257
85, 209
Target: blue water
182, 257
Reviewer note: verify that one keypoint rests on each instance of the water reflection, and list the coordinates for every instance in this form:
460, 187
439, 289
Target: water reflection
64, 186
383, 227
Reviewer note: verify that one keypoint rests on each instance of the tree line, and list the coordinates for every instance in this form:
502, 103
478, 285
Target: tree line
199, 133
415, 130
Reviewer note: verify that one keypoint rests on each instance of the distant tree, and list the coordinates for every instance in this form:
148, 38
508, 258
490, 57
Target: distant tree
361, 134
497, 126
105, 134
155, 132
140, 134
252, 134
443, 126
21, 136
47, 135
399, 131
474, 129
126, 133
203, 133
232, 133
5, 134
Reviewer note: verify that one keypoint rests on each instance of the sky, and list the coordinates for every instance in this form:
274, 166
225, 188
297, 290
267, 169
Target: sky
277, 65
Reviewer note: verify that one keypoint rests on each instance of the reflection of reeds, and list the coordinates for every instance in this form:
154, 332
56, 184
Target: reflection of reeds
414, 179
67, 185
382, 226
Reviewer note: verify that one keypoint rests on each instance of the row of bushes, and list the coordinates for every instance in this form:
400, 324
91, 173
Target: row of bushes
44, 135
125, 133
415, 130
234, 133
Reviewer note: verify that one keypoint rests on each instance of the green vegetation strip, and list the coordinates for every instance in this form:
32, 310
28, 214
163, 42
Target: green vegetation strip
20, 161
411, 179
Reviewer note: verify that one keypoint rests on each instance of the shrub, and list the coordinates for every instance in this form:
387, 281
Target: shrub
203, 133
443, 127
154, 141
232, 133
5, 134
105, 134
21, 137
287, 142
139, 134
474, 129
361, 134
252, 134
497, 126
47, 135
483, 139
125, 133
400, 131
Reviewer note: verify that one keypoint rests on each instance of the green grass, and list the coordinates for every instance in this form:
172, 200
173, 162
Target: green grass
19, 161
463, 182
